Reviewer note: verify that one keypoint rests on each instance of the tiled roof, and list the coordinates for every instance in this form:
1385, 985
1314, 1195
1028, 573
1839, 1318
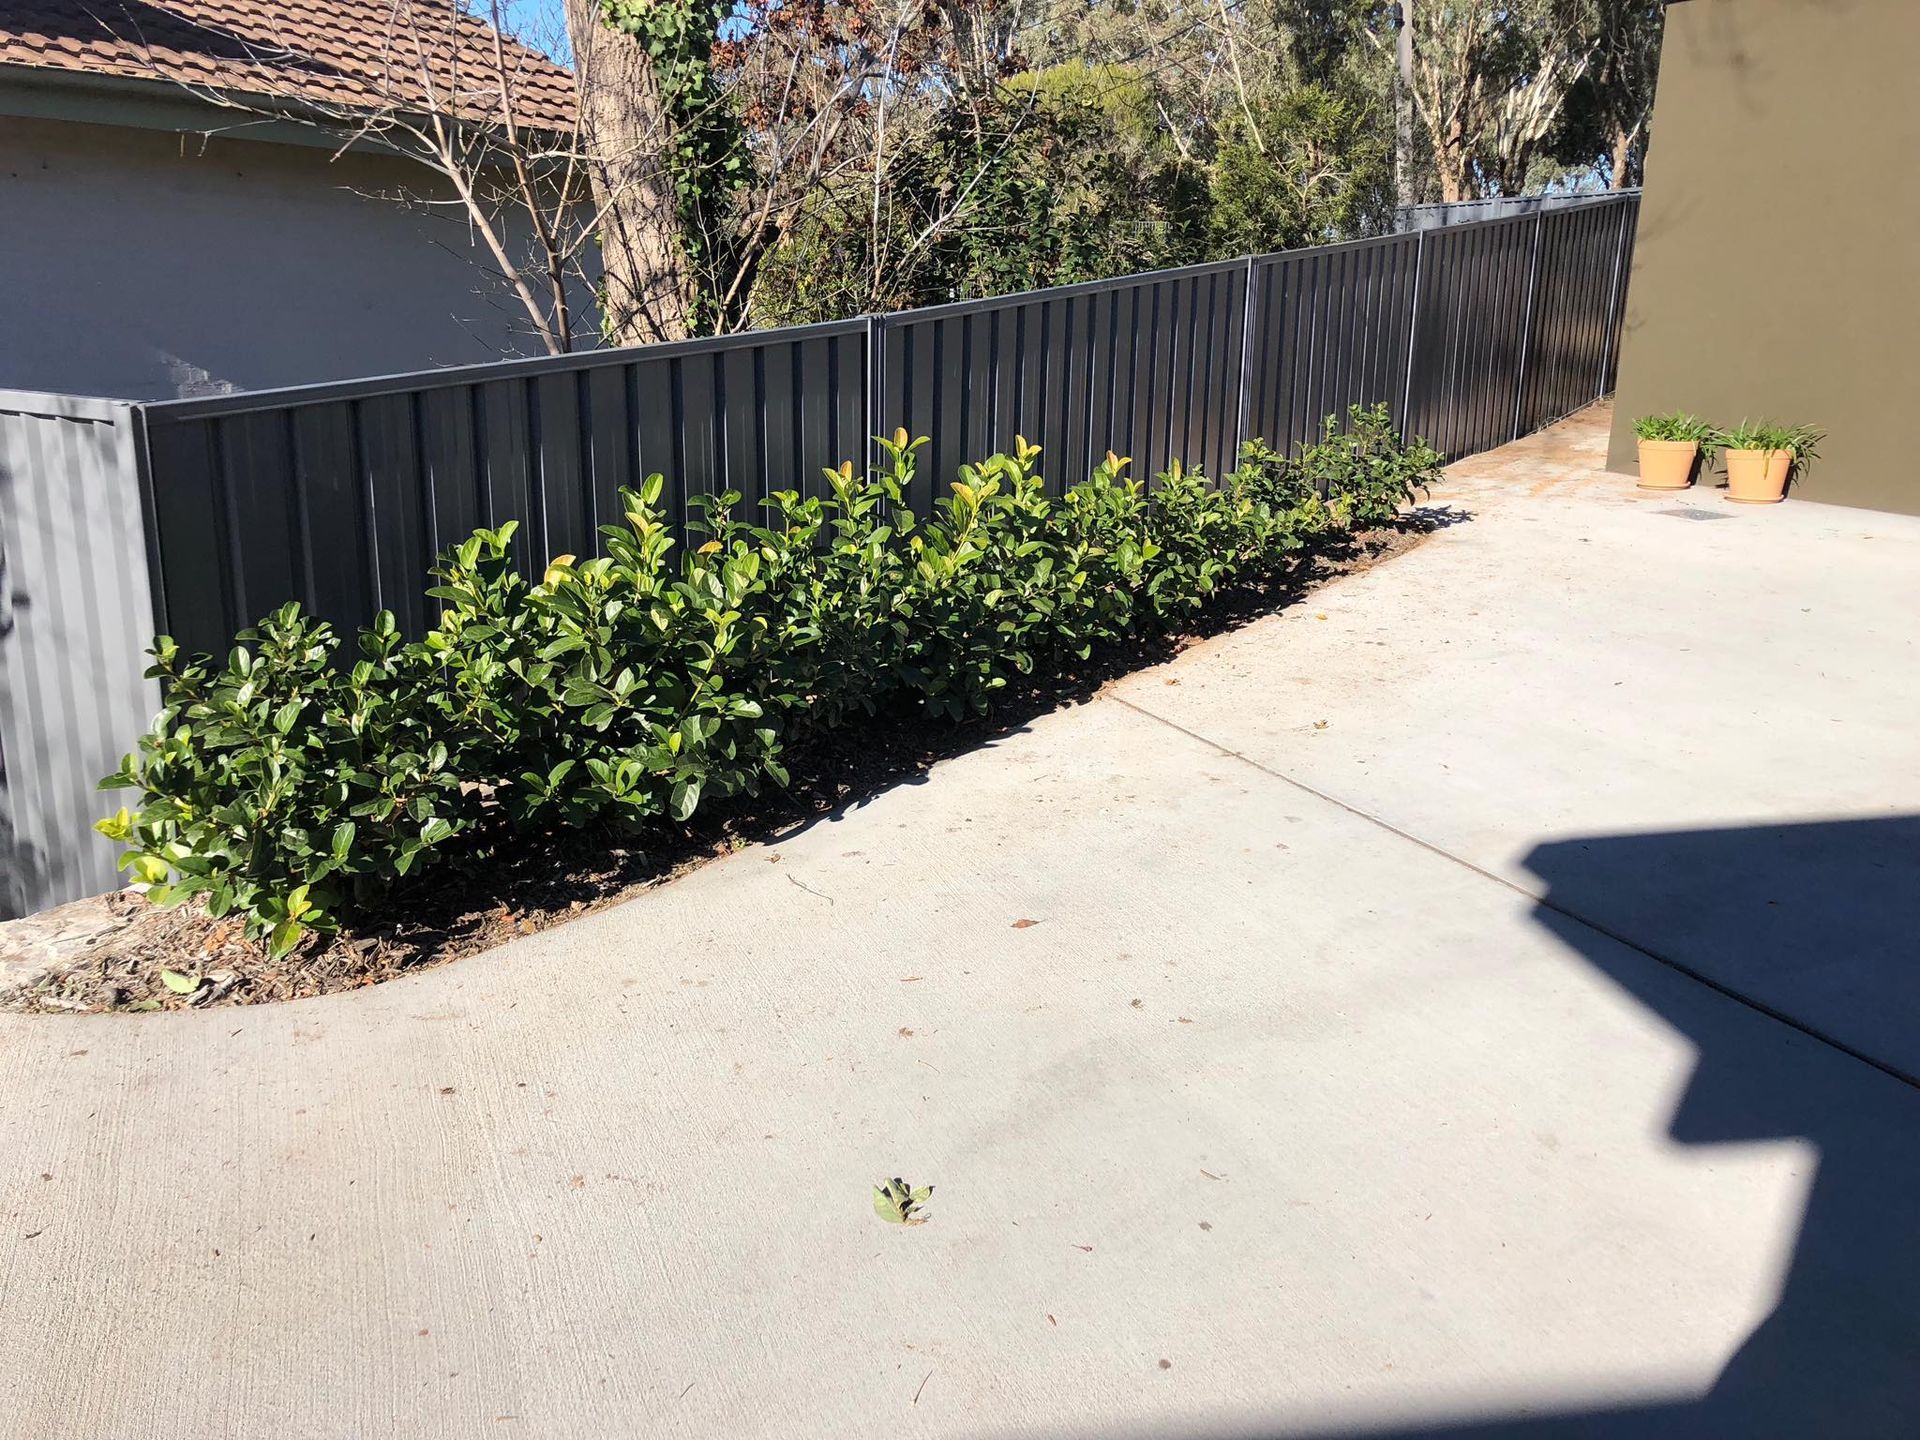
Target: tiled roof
361, 54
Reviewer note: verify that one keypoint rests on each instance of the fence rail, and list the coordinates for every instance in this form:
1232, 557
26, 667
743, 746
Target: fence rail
195, 517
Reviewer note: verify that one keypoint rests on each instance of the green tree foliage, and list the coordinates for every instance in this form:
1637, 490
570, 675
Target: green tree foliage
825, 160
1308, 165
1051, 177
1072, 179
1604, 124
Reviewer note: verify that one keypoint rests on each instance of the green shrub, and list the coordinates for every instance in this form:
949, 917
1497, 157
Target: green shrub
1367, 471
840, 589
1677, 426
283, 787
626, 689
1802, 440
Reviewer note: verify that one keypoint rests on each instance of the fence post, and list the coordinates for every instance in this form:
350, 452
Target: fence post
875, 381
1526, 324
140, 459
1247, 311
1413, 327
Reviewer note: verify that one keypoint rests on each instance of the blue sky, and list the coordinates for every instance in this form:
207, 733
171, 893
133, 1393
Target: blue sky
541, 23
538, 22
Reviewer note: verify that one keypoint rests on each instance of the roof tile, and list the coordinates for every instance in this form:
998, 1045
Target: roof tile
358, 54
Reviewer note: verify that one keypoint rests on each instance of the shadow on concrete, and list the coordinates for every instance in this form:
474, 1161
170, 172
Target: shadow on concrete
1816, 923
1840, 1354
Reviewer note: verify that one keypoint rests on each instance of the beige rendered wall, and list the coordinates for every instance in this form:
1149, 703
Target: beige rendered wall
143, 265
1777, 269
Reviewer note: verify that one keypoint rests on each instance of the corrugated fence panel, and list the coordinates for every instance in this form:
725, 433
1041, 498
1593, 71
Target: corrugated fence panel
1571, 311
75, 616
341, 496
1148, 367
1469, 326
1331, 329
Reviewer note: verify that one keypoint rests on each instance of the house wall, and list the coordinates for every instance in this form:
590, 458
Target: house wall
145, 265
1775, 272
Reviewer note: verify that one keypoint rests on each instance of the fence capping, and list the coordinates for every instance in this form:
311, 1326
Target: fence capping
952, 308
322, 392
65, 407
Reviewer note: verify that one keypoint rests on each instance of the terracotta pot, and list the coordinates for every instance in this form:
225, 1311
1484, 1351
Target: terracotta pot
1667, 464
1758, 477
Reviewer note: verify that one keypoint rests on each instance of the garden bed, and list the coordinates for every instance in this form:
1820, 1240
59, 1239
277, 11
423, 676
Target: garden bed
109, 953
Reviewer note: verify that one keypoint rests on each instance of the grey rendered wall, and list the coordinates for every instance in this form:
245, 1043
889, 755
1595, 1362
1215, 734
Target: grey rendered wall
1774, 275
75, 615
145, 265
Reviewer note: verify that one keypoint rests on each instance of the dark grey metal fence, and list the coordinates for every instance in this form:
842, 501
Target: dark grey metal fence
1148, 366
1331, 328
340, 495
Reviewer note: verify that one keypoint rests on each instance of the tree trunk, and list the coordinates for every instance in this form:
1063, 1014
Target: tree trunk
1450, 163
645, 291
1403, 103
1619, 179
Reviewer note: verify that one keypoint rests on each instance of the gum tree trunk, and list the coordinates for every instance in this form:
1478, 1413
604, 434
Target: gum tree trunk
645, 291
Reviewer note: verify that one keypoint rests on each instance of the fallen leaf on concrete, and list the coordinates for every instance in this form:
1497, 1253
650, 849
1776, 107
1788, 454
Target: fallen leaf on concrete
1025, 924
1319, 724
898, 1203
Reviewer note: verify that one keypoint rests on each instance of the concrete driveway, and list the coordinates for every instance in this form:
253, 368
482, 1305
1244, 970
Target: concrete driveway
1348, 1078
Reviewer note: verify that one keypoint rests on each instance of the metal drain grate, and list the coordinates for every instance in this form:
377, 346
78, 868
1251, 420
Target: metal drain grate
1689, 512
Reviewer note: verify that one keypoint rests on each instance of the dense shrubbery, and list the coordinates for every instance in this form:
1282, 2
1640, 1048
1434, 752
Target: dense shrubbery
288, 788
1356, 477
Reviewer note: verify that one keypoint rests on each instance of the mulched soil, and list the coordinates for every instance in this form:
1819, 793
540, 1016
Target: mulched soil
106, 953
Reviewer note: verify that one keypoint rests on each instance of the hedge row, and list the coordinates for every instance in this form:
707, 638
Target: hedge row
289, 788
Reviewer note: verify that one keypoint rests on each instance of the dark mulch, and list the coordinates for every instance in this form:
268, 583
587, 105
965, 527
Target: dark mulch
108, 953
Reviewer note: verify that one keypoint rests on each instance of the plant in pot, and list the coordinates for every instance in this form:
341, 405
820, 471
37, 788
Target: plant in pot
1669, 446
1762, 457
